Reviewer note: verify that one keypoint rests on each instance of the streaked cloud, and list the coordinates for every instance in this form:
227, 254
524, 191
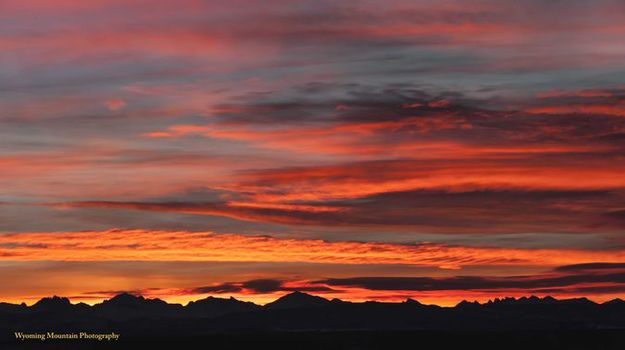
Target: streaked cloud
314, 133
142, 245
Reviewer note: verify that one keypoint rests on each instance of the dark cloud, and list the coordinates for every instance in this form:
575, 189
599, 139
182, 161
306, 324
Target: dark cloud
593, 278
617, 215
591, 266
580, 290
526, 283
100, 293
217, 289
263, 285
257, 286
348, 103
487, 210
482, 121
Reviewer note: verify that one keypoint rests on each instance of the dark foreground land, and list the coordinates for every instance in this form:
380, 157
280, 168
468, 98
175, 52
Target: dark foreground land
302, 321
344, 340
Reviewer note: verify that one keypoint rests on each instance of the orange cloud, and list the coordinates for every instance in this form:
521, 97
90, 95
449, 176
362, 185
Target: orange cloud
608, 109
115, 104
144, 245
368, 178
399, 138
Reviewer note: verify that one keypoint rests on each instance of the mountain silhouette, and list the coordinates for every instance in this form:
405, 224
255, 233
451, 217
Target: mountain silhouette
299, 310
615, 303
138, 317
8, 308
212, 307
54, 303
126, 306
297, 300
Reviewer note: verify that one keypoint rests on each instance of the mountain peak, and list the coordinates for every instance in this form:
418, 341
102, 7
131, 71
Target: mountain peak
126, 299
522, 301
133, 301
578, 301
52, 303
297, 299
468, 304
616, 300
215, 301
127, 296
211, 306
53, 300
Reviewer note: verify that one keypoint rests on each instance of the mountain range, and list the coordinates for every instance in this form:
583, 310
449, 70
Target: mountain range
136, 316
299, 310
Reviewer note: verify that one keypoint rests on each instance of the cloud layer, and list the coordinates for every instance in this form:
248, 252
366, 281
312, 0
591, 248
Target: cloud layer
314, 133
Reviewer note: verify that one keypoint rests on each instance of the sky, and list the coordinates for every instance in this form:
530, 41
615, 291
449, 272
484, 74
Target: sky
362, 150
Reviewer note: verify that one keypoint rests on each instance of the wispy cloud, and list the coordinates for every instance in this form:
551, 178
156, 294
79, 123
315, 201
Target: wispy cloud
143, 245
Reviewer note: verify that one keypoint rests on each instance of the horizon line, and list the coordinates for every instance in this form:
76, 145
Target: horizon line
527, 297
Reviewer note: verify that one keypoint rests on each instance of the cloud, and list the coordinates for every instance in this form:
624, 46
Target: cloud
146, 245
594, 279
373, 162
598, 266
615, 218
217, 289
115, 104
443, 211
487, 122
258, 286
563, 283
469, 283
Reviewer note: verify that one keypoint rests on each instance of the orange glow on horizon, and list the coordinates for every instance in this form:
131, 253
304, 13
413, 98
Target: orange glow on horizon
440, 298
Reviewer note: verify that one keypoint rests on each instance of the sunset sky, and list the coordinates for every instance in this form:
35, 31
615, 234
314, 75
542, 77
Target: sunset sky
363, 150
